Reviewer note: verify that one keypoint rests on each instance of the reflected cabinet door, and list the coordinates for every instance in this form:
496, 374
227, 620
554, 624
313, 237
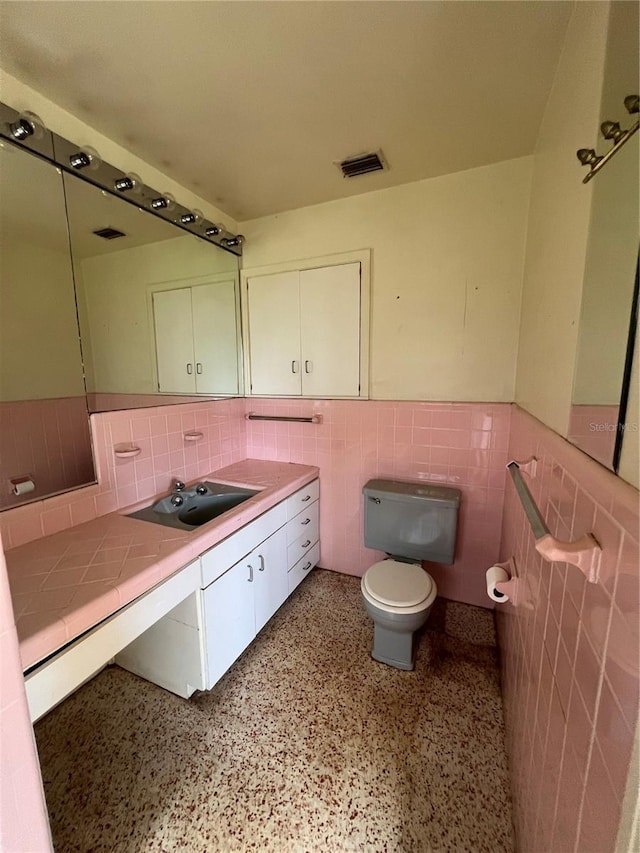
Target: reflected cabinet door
174, 341
214, 336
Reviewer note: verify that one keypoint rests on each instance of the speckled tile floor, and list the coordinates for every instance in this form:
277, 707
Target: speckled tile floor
307, 745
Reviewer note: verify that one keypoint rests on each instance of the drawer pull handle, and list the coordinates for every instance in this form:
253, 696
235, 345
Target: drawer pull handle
308, 498
308, 566
261, 558
306, 544
250, 578
306, 521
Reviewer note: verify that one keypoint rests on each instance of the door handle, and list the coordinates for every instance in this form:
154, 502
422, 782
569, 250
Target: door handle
250, 578
198, 367
308, 366
261, 558
189, 368
294, 367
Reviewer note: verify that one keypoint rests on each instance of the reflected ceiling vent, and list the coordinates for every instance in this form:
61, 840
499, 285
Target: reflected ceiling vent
354, 166
109, 233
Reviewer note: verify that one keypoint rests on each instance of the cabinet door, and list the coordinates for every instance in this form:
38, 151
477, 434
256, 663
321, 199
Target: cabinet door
229, 618
271, 587
274, 333
174, 340
330, 331
214, 333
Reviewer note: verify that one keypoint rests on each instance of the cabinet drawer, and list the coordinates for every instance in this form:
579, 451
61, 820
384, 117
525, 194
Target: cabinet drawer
302, 568
296, 550
303, 497
304, 522
216, 561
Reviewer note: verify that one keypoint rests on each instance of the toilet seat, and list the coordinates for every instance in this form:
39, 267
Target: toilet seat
398, 587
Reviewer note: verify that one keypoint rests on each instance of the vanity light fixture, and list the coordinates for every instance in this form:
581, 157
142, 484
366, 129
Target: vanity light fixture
610, 130
27, 124
21, 129
128, 183
588, 157
163, 202
27, 128
85, 158
192, 217
238, 240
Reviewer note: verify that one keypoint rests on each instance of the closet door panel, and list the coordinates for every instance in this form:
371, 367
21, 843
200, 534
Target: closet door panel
274, 333
214, 333
330, 330
174, 341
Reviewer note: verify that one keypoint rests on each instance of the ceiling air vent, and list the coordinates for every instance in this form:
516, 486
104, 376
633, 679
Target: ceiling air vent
109, 233
354, 166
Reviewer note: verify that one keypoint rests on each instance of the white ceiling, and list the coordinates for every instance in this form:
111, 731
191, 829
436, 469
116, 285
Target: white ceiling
250, 104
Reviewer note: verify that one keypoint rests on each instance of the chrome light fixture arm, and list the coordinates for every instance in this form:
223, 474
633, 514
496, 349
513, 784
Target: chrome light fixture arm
610, 130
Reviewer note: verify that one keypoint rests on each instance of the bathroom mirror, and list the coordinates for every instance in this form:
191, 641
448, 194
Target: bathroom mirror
158, 308
45, 443
599, 423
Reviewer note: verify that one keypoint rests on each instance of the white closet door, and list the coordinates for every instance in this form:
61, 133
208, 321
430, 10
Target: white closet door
274, 333
174, 341
214, 333
330, 330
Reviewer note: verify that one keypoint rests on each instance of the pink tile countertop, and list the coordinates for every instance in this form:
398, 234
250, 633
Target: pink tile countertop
64, 584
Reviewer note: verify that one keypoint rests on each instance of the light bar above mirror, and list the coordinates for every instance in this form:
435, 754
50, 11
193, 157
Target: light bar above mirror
26, 130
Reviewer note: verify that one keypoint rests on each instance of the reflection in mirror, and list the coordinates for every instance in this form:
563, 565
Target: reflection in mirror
158, 308
44, 426
610, 270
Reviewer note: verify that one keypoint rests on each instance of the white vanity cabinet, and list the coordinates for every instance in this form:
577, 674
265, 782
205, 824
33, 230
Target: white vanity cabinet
195, 336
243, 581
305, 332
238, 604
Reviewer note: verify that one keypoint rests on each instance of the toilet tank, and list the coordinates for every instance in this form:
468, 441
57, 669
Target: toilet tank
413, 520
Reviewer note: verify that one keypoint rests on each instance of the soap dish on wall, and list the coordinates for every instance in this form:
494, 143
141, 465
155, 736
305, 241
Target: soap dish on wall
193, 436
126, 450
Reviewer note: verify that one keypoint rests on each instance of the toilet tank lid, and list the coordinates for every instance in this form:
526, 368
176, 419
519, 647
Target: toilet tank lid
399, 490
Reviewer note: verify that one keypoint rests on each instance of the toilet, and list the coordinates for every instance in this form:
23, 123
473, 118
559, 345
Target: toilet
410, 522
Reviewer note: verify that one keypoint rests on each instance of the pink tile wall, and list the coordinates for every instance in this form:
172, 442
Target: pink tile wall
593, 429
570, 659
48, 440
24, 824
462, 444
159, 432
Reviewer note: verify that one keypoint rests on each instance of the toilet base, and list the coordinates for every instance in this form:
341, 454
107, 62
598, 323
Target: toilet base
393, 648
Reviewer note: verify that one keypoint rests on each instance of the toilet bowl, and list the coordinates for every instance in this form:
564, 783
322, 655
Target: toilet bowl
398, 596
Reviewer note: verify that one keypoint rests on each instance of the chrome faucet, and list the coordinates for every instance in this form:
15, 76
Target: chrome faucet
178, 486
